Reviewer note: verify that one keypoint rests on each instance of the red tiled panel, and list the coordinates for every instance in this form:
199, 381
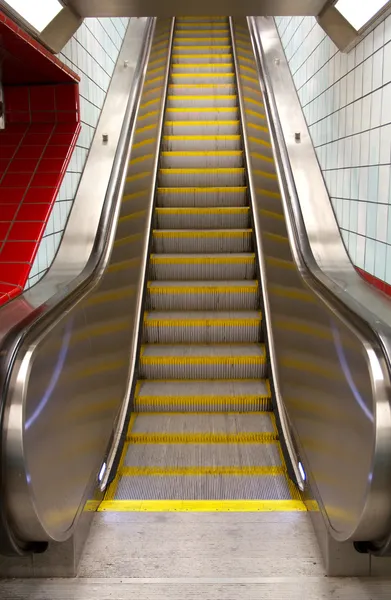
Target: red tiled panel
377, 283
42, 126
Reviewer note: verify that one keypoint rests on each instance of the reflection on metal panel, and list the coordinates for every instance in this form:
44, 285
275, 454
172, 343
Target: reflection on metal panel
329, 370
69, 383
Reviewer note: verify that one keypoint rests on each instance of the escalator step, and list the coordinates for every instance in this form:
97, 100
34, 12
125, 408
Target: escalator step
196, 240
202, 196
188, 267
203, 218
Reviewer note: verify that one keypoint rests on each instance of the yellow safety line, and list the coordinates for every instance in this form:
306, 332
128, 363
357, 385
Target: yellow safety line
140, 159
256, 140
198, 123
220, 65
218, 233
233, 412
205, 400
203, 438
201, 260
246, 68
312, 330
148, 115
204, 153
202, 75
112, 489
139, 176
135, 215
263, 158
218, 210
216, 47
276, 237
200, 85
224, 289
129, 239
194, 471
276, 195
254, 113
196, 56
149, 103
184, 171
204, 138
150, 321
146, 128
302, 365
265, 174
204, 97
143, 143
202, 506
203, 39
203, 360
258, 127
192, 190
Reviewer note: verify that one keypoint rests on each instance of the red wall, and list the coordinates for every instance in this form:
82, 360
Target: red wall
42, 118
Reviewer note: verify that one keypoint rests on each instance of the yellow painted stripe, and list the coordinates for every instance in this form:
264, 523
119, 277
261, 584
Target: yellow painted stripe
203, 438
258, 127
194, 471
197, 56
199, 123
158, 233
177, 86
202, 360
189, 138
200, 65
161, 260
246, 59
268, 193
204, 153
139, 176
152, 113
213, 75
202, 506
112, 489
201, 190
150, 103
260, 141
125, 264
202, 400
203, 39
265, 174
219, 47
129, 239
254, 113
304, 328
143, 143
252, 101
228, 210
204, 97
132, 216
196, 171
224, 289
146, 128
249, 69
264, 158
150, 321
276, 237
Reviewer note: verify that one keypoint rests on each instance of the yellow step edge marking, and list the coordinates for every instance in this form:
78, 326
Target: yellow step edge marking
256, 102
276, 237
281, 263
202, 400
149, 103
197, 56
203, 438
246, 68
262, 157
247, 78
140, 159
202, 109
300, 327
204, 153
271, 214
150, 321
202, 170
201, 190
194, 471
202, 506
204, 360
154, 80
204, 39
184, 413
220, 65
314, 368
112, 489
144, 143
204, 97
129, 239
265, 174
159, 260
154, 71
146, 128
135, 195
125, 264
204, 138
216, 47
168, 289
153, 113
295, 294
103, 297
157, 233
139, 176
246, 59
241, 210
199, 75
269, 193
199, 123
135, 215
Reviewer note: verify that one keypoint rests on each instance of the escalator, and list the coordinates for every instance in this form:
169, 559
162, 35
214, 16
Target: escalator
202, 360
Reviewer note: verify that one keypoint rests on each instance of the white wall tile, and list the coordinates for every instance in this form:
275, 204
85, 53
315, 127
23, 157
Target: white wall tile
348, 103
92, 54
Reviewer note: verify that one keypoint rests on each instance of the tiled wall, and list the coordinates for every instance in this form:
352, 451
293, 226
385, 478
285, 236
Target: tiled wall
346, 99
92, 54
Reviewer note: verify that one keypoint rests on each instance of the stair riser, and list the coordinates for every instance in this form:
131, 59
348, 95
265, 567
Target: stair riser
203, 301
158, 333
188, 245
202, 271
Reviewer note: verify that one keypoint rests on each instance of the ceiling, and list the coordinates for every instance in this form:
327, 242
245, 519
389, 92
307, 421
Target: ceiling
155, 8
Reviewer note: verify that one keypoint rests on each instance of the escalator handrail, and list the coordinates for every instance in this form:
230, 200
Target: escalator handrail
364, 310
20, 318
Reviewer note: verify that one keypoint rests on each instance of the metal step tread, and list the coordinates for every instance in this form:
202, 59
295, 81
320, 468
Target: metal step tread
185, 353
201, 286
203, 317
204, 487
214, 210
203, 425
242, 257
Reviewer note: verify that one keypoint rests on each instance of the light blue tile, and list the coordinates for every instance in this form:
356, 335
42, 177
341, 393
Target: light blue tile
382, 221
384, 184
363, 183
352, 247
363, 145
353, 216
360, 251
370, 248
371, 220
389, 228
376, 112
345, 214
374, 147
385, 144
373, 183
362, 218
380, 260
386, 104
377, 73
347, 175
354, 186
